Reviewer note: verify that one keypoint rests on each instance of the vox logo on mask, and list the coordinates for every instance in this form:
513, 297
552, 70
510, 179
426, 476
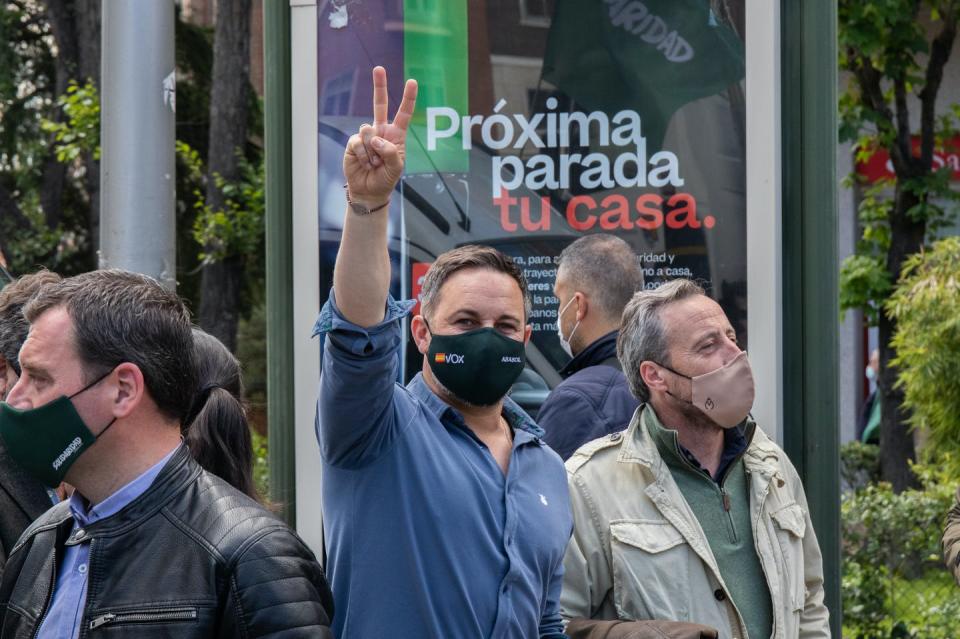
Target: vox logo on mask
485, 363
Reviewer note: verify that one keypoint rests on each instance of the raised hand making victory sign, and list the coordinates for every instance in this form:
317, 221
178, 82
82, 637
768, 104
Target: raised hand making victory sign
373, 162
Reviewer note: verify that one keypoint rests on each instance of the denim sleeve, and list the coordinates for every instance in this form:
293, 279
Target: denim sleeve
356, 416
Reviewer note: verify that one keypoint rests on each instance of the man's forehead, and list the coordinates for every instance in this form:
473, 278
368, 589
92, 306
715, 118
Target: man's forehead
479, 289
51, 334
689, 318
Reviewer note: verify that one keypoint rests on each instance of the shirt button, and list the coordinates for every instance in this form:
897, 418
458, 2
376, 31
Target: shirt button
82, 569
719, 595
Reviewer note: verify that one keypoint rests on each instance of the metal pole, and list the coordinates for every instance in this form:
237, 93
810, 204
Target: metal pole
138, 100
279, 245
810, 265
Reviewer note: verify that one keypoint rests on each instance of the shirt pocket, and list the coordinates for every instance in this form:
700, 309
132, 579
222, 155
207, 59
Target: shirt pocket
651, 567
790, 528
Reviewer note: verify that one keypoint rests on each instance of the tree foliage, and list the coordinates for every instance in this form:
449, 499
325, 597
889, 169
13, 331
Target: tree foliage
894, 583
895, 52
80, 133
41, 130
43, 209
926, 305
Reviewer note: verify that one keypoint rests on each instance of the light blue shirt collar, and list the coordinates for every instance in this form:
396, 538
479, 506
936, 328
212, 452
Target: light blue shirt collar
116, 502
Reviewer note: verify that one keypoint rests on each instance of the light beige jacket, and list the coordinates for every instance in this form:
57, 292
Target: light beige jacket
638, 552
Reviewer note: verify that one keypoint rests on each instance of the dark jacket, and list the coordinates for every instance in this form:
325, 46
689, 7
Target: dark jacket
594, 400
190, 558
22, 499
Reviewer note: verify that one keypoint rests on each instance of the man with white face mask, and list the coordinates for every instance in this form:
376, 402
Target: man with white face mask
597, 276
692, 513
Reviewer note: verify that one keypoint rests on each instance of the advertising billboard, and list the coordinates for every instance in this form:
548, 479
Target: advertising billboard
540, 121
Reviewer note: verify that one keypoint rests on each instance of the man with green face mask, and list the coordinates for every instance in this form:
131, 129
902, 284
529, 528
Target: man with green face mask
445, 513
148, 544
22, 498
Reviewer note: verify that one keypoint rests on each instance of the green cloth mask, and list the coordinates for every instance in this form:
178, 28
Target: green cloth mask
479, 366
47, 440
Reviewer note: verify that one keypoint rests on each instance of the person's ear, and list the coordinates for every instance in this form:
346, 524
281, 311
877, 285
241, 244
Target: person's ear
420, 333
582, 305
527, 333
128, 389
650, 373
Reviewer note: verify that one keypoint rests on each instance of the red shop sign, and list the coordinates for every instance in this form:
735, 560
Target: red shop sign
879, 166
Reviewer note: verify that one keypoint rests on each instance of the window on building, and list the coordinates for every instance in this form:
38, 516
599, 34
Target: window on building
536, 13
336, 94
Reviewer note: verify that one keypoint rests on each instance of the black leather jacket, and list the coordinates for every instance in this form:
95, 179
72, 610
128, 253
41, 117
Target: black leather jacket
190, 558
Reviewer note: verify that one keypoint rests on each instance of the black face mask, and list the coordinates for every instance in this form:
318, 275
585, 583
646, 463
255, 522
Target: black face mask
479, 366
46, 440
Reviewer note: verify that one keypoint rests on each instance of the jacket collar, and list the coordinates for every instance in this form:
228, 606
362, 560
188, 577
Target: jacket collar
180, 471
598, 351
735, 443
761, 457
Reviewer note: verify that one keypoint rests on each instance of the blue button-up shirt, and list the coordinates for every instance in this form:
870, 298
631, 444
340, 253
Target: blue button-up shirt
427, 538
65, 614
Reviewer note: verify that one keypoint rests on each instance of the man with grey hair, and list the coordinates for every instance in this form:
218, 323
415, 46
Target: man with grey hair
692, 513
597, 276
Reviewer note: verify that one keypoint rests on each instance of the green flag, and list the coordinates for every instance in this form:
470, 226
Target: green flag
435, 53
652, 57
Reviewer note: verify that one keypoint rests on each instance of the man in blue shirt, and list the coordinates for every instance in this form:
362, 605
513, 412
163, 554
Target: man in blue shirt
446, 515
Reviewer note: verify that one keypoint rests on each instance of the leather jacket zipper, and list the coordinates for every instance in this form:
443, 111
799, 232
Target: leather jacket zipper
144, 616
46, 606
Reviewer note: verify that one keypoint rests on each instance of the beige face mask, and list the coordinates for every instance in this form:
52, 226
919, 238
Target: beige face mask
724, 395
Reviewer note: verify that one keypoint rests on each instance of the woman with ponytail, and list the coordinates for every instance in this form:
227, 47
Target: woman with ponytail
217, 430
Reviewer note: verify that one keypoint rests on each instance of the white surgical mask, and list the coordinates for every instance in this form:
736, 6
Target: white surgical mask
565, 341
870, 373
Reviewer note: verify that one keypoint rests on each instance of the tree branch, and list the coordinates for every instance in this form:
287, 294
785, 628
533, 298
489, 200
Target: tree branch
903, 117
869, 79
939, 54
9, 209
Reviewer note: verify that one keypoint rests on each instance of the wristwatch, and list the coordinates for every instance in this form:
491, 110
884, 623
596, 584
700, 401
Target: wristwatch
362, 209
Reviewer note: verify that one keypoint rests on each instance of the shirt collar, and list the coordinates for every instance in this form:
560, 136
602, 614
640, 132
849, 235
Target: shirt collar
118, 500
525, 429
598, 351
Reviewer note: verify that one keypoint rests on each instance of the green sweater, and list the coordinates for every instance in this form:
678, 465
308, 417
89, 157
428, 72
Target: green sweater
723, 510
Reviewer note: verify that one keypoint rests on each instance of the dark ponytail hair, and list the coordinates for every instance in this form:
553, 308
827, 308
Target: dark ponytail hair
217, 430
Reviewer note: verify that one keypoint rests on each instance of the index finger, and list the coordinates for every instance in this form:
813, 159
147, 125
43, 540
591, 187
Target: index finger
379, 95
407, 104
